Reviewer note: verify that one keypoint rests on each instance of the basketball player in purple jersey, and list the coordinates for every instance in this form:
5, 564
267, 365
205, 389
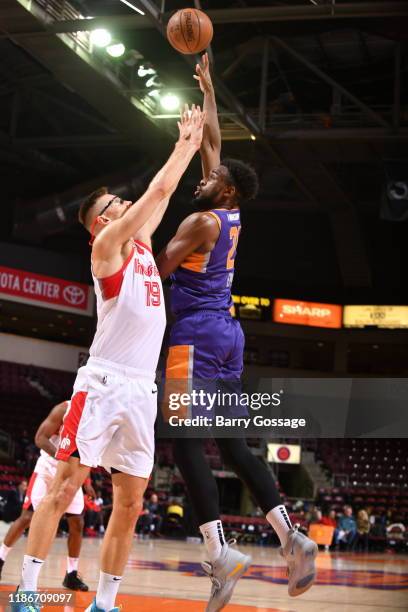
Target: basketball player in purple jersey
206, 343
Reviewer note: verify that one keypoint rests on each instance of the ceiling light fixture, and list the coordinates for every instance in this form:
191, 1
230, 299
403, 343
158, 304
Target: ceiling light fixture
100, 37
170, 102
116, 50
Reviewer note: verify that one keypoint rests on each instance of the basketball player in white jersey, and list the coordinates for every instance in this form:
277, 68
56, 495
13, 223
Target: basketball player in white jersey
113, 407
47, 439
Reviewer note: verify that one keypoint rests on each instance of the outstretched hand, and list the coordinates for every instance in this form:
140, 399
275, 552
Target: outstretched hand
203, 75
191, 125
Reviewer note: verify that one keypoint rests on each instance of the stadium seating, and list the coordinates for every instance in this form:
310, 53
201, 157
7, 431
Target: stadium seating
380, 462
27, 393
369, 472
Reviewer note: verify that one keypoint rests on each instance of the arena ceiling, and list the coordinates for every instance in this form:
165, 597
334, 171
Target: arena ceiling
321, 86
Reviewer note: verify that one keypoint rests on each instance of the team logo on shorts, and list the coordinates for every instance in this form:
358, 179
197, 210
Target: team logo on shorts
65, 443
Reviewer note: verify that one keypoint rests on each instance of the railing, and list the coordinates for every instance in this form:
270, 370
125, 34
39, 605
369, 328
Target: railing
118, 72
60, 10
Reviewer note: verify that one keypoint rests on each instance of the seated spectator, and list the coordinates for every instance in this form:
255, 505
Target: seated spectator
346, 529
329, 519
156, 513
316, 517
144, 521
174, 520
362, 533
396, 528
175, 509
311, 513
14, 502
396, 537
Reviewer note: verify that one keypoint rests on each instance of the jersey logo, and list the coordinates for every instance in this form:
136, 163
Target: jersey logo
65, 443
233, 216
148, 270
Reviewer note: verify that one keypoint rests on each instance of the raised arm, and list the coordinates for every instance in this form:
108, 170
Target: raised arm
118, 232
153, 223
49, 427
198, 231
210, 149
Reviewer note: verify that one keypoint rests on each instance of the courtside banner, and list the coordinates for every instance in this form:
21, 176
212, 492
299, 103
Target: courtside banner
312, 314
46, 291
276, 408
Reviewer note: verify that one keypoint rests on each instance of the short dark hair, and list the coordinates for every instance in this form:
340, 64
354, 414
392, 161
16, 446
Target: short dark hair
90, 203
243, 177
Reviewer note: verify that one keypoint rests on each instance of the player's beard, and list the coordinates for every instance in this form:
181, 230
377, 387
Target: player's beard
203, 202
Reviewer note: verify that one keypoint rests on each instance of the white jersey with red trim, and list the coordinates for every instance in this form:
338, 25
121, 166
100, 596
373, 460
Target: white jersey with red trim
131, 313
45, 463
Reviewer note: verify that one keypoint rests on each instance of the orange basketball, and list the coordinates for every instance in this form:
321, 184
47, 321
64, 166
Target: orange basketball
189, 31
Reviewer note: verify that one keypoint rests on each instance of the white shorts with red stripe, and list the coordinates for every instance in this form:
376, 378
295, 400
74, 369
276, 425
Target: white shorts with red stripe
111, 419
38, 488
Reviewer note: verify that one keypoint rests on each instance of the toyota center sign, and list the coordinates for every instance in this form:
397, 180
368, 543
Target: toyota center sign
46, 291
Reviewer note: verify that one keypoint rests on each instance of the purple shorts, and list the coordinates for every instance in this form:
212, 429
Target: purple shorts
206, 353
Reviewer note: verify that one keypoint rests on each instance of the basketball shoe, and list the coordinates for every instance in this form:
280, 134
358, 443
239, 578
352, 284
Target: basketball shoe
25, 606
224, 573
300, 553
74, 582
94, 608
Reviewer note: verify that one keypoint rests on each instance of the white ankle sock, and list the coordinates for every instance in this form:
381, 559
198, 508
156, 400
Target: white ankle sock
30, 573
214, 539
279, 519
108, 587
4, 551
72, 564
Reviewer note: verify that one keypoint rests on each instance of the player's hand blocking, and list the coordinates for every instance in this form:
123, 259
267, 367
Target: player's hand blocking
191, 125
203, 75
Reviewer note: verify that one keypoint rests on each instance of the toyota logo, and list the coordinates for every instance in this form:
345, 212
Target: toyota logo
74, 295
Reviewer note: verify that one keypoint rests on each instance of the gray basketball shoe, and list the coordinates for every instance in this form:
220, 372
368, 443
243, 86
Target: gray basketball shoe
300, 553
224, 573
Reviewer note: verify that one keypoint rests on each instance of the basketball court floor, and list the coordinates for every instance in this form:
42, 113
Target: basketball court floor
166, 575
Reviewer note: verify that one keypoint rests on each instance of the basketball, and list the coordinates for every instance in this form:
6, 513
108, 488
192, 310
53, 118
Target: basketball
189, 31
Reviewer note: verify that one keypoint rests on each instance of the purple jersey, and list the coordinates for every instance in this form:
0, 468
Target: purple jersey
203, 281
